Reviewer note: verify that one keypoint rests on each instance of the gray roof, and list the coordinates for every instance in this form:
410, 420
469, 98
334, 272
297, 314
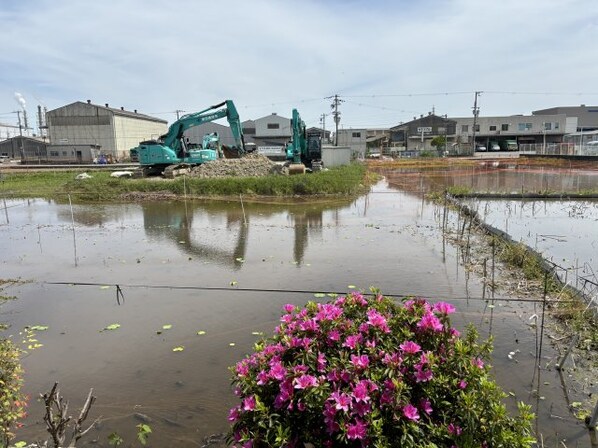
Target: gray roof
118, 111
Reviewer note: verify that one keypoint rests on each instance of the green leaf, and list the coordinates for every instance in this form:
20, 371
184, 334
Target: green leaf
166, 327
112, 327
38, 327
232, 344
233, 283
114, 439
351, 286
20, 444
143, 432
319, 295
257, 333
201, 332
180, 348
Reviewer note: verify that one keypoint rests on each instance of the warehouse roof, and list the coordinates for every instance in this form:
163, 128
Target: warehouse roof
117, 111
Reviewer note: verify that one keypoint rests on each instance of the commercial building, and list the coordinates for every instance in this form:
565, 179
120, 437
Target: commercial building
520, 129
114, 130
417, 135
587, 116
16, 147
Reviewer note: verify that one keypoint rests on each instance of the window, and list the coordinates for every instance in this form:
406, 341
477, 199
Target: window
548, 126
556, 125
477, 128
64, 153
524, 126
53, 153
492, 128
356, 135
464, 128
504, 127
273, 126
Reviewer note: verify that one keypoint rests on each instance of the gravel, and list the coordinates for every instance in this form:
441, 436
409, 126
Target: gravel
252, 165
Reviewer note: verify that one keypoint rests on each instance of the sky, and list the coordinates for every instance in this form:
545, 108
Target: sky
388, 61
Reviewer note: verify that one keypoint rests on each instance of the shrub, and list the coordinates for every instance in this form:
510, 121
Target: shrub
12, 402
362, 371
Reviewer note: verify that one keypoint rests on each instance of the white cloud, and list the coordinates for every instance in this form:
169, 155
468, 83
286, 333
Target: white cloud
271, 56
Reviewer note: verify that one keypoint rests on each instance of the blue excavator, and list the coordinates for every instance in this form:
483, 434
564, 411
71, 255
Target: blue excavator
171, 156
304, 150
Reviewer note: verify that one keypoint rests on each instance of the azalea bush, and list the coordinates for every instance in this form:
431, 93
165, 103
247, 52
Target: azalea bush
368, 371
12, 401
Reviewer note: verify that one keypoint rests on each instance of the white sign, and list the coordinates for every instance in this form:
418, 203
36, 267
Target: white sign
425, 130
63, 140
271, 150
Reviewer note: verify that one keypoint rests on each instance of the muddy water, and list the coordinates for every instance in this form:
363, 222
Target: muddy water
497, 177
564, 232
164, 255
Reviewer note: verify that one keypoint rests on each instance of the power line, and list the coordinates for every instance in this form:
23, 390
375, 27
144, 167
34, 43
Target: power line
120, 286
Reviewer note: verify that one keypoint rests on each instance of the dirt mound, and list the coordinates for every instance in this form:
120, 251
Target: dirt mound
252, 165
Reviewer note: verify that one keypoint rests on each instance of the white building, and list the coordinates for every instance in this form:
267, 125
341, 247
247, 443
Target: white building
525, 129
114, 130
355, 139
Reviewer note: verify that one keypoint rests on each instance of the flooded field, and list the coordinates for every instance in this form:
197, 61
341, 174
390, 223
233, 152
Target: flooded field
219, 273
565, 232
498, 177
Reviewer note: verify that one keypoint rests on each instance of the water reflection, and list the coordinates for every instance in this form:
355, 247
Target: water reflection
191, 227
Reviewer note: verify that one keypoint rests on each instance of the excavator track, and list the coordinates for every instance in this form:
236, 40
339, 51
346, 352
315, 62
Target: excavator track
180, 169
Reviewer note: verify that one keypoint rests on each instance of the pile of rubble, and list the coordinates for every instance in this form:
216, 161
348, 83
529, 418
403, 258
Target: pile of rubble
252, 165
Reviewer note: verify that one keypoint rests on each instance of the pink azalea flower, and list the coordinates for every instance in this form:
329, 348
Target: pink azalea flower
334, 335
262, 377
249, 403
357, 430
305, 381
430, 322
277, 371
454, 429
478, 363
360, 361
328, 311
342, 401
352, 341
321, 362
289, 308
410, 347
242, 369
360, 392
462, 384
444, 308
361, 409
234, 414
375, 319
423, 376
425, 405
410, 412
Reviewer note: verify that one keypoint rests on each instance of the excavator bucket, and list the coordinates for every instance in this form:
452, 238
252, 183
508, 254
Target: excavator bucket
296, 168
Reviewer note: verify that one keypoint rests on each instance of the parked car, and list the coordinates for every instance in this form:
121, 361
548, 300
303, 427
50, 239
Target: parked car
480, 148
4, 159
493, 146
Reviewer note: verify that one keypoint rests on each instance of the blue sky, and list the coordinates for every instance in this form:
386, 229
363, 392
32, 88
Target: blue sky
389, 60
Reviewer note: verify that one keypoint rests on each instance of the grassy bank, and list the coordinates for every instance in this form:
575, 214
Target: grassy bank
341, 181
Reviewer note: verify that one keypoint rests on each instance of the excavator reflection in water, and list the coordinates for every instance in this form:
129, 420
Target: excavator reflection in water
174, 221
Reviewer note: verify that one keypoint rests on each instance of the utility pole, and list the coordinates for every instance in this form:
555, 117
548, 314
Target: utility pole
446, 133
336, 115
323, 121
476, 111
178, 111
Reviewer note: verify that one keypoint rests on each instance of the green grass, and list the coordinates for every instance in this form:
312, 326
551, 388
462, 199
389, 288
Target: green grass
341, 181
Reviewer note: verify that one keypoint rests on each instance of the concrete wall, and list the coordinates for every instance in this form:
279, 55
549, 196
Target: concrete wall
587, 116
336, 155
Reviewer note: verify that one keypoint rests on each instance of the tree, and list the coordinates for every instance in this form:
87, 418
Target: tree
438, 141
